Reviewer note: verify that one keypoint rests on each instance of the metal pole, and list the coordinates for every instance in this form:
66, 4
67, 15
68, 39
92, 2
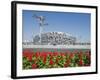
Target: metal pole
40, 34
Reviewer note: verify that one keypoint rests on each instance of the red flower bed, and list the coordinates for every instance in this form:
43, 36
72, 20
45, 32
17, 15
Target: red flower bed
44, 59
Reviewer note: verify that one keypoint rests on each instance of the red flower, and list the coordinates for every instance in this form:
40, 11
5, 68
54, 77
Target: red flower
35, 61
43, 54
28, 54
55, 53
80, 55
30, 57
51, 62
71, 55
57, 60
44, 60
34, 66
50, 53
80, 63
62, 54
55, 57
37, 54
65, 65
88, 55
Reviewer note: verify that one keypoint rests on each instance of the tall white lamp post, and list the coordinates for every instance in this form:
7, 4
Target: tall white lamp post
41, 21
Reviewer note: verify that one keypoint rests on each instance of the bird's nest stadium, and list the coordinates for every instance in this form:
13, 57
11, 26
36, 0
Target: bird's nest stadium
54, 38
